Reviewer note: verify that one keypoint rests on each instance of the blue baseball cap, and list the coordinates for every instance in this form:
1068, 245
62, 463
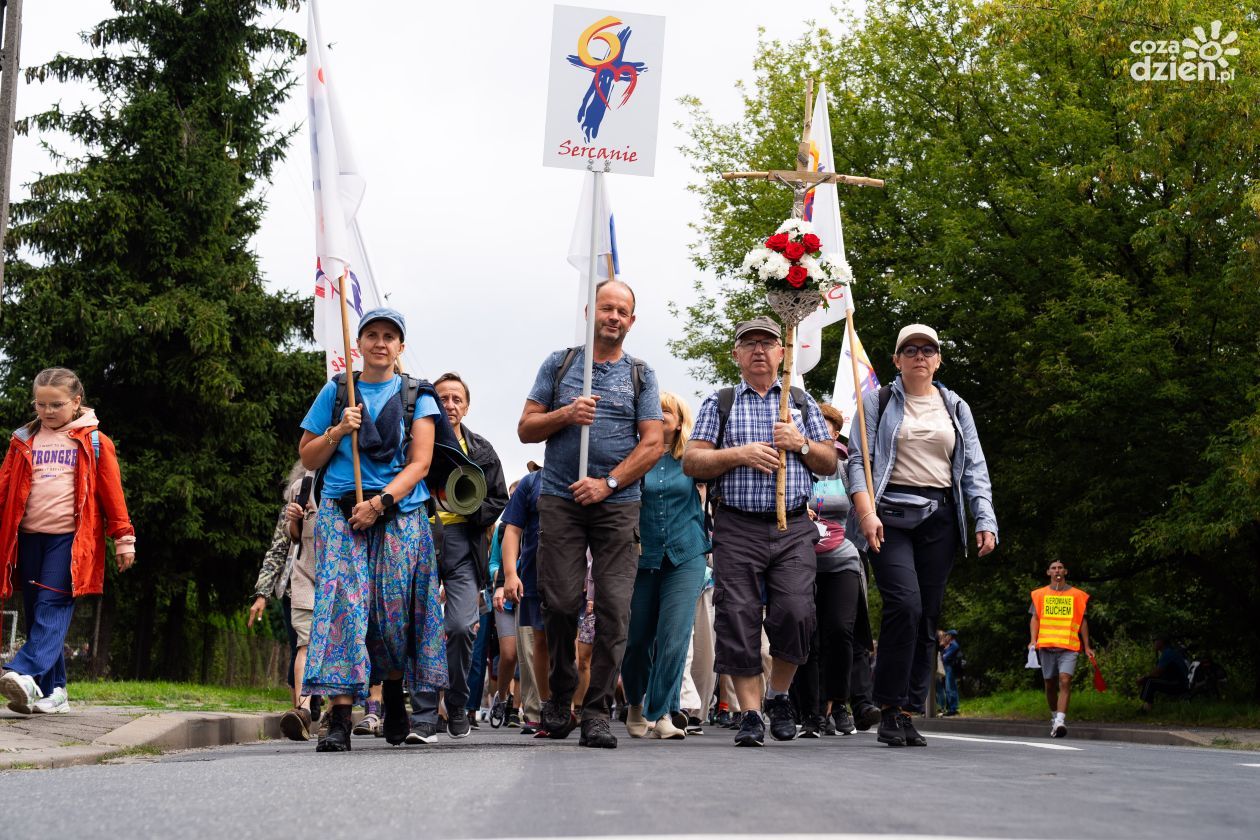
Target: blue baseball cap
384, 313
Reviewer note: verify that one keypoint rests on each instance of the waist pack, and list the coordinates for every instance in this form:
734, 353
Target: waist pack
905, 510
347, 503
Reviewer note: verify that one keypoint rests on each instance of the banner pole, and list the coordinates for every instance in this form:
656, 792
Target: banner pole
345, 335
861, 415
588, 365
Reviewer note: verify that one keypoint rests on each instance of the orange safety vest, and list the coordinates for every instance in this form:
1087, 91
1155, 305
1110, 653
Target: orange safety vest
1059, 614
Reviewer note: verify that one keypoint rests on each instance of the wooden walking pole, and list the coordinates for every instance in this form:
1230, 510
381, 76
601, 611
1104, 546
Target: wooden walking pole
785, 393
345, 334
861, 415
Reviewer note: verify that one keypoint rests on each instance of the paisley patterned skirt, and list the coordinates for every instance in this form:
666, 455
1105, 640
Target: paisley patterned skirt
376, 606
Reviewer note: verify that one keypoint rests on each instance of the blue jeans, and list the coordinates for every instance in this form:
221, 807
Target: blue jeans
951, 690
48, 602
662, 612
477, 665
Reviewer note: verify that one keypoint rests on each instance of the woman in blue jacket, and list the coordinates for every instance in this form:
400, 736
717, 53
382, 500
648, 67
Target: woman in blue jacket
928, 470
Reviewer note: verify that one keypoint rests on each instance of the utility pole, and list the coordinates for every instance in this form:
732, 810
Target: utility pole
9, 65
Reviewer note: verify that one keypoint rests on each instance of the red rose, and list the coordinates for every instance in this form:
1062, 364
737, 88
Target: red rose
777, 242
796, 276
794, 251
812, 243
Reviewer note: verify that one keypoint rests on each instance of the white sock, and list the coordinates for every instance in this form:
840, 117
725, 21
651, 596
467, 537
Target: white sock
771, 694
1060, 717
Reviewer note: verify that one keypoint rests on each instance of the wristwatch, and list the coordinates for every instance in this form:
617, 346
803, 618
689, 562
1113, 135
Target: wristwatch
612, 483
804, 449
387, 501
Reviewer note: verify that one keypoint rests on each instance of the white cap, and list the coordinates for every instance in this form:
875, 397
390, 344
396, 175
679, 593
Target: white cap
916, 331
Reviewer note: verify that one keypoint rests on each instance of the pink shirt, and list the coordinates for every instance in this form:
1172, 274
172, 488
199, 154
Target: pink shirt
54, 456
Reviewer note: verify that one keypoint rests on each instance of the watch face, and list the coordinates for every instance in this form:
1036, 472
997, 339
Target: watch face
612, 482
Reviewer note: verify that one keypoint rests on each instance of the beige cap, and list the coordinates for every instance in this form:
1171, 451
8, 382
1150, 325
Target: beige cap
761, 323
916, 331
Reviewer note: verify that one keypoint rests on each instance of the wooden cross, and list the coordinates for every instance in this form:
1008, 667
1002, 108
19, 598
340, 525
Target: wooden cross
800, 181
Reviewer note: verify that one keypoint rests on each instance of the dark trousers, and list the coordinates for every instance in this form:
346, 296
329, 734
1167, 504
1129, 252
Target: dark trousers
457, 563
477, 665
911, 569
662, 613
825, 675
1162, 685
565, 530
861, 675
751, 554
48, 604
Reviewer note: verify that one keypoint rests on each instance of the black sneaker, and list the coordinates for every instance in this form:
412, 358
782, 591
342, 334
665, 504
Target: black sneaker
679, 720
812, 726
866, 716
843, 722
829, 726
912, 736
457, 725
514, 718
337, 739
752, 730
722, 719
397, 722
422, 733
596, 732
890, 729
528, 730
782, 723
472, 720
694, 726
558, 720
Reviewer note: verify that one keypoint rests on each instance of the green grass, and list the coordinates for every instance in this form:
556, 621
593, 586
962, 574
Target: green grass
184, 697
1110, 707
130, 752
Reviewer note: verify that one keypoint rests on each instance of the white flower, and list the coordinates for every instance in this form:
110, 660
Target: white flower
754, 258
816, 271
796, 227
837, 270
775, 267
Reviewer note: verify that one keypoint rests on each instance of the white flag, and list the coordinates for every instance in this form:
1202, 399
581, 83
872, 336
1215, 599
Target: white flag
338, 192
580, 245
844, 394
822, 209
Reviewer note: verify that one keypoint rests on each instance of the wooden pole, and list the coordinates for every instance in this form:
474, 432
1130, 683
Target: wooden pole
780, 489
9, 66
861, 415
345, 335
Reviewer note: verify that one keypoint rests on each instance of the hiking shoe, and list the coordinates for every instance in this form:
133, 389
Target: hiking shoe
498, 713
782, 723
911, 735
559, 720
889, 731
694, 726
21, 691
57, 703
842, 720
422, 733
866, 716
1058, 730
296, 724
317, 706
812, 727
457, 725
397, 723
337, 739
596, 732
752, 730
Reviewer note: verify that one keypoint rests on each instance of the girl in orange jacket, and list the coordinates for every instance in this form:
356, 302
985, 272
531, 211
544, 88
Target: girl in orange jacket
60, 494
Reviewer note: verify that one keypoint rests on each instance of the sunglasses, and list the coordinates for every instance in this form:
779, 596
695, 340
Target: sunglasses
927, 350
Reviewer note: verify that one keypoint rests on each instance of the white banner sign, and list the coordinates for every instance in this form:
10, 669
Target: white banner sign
604, 92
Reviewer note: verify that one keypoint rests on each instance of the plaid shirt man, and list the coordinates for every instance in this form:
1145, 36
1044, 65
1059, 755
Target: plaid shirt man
752, 420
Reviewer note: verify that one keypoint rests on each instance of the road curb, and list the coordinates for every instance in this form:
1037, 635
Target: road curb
164, 731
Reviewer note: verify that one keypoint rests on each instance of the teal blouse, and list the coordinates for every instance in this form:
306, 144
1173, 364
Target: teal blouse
671, 520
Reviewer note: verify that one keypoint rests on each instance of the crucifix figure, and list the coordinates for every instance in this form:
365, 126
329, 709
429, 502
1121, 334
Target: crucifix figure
801, 181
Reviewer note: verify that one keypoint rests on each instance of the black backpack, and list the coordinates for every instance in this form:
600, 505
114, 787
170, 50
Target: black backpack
637, 366
447, 453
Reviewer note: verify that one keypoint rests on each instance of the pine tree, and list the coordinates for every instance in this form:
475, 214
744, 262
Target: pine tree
132, 265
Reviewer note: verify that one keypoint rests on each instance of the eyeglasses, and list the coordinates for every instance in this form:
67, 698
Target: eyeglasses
53, 406
765, 344
911, 350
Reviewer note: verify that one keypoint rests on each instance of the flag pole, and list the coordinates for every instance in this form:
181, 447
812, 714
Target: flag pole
861, 415
345, 334
588, 364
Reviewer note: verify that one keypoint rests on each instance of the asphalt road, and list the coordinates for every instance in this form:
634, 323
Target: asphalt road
501, 784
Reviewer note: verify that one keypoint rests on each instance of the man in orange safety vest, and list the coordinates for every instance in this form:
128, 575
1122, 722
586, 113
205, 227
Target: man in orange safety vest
1058, 630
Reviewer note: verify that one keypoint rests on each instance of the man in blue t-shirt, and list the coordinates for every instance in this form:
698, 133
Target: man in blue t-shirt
1170, 676
599, 509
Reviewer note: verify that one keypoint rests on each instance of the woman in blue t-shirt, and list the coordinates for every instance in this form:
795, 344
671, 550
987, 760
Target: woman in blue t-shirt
376, 580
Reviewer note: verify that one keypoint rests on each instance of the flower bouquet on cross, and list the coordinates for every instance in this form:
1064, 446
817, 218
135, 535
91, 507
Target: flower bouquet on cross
796, 275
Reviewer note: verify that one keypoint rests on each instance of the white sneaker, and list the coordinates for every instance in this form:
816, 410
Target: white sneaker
57, 703
21, 691
666, 731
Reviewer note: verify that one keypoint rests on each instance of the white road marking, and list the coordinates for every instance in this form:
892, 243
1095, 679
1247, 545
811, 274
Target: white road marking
765, 837
1249, 765
1036, 744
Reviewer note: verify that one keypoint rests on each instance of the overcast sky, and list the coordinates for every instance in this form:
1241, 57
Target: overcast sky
445, 106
